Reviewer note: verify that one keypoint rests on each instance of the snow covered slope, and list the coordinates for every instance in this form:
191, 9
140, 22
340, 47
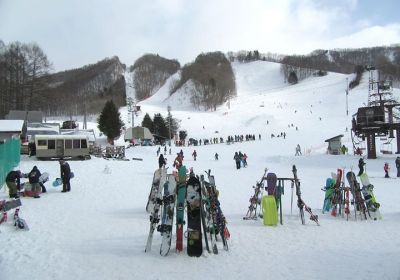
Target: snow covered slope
99, 229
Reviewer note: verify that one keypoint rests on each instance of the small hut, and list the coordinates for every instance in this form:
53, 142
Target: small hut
334, 145
139, 135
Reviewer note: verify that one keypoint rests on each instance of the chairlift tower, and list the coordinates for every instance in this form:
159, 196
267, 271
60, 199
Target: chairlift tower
132, 109
377, 120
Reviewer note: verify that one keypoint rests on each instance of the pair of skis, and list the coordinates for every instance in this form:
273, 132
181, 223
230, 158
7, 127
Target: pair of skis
300, 203
255, 198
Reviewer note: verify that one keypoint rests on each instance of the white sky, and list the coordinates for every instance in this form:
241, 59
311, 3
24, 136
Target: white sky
74, 33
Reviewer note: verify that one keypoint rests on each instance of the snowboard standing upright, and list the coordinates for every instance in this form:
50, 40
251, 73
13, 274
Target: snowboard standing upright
369, 197
180, 207
207, 211
355, 190
329, 188
193, 202
270, 213
155, 211
167, 216
155, 189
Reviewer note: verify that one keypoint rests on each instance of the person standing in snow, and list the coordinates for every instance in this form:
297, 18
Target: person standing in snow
194, 155
386, 168
298, 150
236, 157
216, 156
34, 176
161, 161
65, 171
244, 160
361, 165
397, 162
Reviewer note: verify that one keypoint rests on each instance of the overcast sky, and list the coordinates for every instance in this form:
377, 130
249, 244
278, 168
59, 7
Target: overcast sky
77, 32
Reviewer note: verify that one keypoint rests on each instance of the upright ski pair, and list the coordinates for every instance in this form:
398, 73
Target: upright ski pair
300, 202
337, 197
255, 199
216, 211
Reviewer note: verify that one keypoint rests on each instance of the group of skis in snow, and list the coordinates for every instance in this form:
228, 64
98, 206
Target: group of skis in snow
337, 196
173, 194
266, 200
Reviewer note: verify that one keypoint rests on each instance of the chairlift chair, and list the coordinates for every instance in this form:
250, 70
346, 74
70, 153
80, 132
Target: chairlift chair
386, 148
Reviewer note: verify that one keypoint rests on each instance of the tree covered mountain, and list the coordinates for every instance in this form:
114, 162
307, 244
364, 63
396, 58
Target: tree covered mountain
26, 81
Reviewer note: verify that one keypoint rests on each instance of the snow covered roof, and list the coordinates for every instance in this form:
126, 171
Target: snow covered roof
11, 126
30, 116
334, 138
87, 132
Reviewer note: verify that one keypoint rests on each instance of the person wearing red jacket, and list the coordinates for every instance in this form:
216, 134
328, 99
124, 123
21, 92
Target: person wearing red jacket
386, 168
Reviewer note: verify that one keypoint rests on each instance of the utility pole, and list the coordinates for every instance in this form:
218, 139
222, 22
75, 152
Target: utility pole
347, 97
169, 123
131, 109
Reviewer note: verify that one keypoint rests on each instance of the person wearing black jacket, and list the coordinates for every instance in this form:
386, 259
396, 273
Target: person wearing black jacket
13, 183
65, 171
34, 176
161, 161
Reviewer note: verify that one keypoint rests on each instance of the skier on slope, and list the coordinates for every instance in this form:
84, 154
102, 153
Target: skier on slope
216, 156
298, 150
236, 157
194, 155
361, 165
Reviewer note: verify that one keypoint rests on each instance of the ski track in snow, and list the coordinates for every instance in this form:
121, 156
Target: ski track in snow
99, 229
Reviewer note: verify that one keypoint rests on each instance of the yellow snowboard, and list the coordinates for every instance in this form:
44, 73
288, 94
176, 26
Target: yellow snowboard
270, 212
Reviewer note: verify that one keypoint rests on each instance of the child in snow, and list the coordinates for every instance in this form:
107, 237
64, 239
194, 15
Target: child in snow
386, 168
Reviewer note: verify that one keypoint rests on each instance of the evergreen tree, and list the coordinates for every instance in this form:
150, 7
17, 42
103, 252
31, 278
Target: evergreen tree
182, 135
109, 121
159, 126
148, 122
172, 125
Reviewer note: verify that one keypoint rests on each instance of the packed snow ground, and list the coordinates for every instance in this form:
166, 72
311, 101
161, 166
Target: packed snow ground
99, 229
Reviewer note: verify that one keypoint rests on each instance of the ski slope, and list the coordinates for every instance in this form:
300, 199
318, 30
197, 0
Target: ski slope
99, 229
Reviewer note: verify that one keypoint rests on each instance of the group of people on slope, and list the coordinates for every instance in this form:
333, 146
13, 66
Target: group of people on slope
13, 180
386, 167
240, 159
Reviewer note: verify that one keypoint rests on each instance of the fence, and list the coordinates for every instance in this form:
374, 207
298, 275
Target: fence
9, 156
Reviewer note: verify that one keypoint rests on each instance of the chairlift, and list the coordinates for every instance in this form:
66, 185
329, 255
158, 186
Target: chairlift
386, 148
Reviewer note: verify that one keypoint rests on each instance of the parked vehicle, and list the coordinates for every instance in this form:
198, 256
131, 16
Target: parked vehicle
57, 146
